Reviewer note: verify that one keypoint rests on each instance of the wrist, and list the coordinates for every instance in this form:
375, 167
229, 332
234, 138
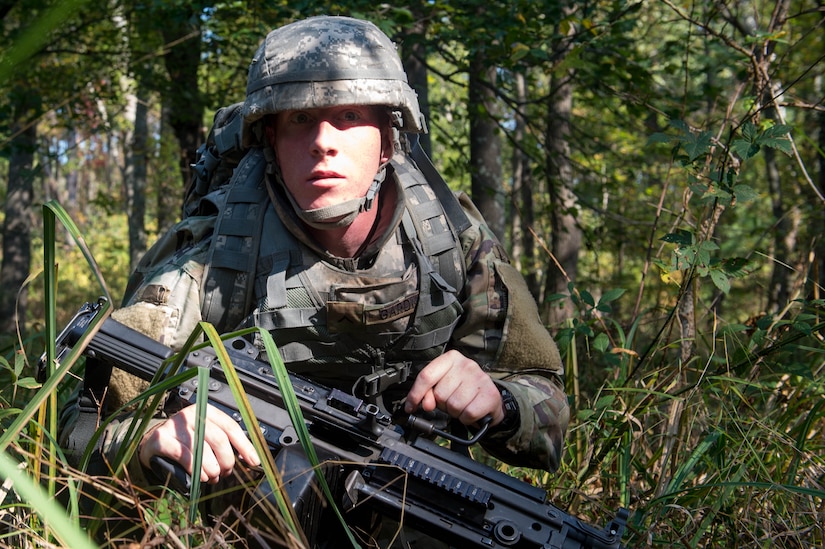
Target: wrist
512, 416
144, 460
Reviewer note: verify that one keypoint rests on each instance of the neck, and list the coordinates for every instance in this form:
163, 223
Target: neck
348, 241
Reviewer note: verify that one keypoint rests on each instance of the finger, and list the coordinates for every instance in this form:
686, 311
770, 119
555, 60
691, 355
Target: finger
211, 468
163, 440
421, 393
176, 440
237, 438
218, 455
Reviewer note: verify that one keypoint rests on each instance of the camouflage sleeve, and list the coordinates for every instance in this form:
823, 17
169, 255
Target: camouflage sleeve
502, 331
162, 302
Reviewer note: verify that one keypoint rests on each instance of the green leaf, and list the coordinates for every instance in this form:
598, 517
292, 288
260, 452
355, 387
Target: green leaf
612, 295
744, 149
28, 383
680, 125
738, 267
749, 131
734, 328
601, 342
518, 51
555, 297
697, 145
19, 362
584, 329
659, 137
745, 193
584, 415
604, 402
720, 280
680, 237
775, 137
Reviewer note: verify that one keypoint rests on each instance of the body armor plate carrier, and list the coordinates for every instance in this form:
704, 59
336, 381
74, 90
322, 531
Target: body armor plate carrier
412, 306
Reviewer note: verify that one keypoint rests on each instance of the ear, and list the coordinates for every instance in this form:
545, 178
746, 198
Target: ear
269, 131
387, 145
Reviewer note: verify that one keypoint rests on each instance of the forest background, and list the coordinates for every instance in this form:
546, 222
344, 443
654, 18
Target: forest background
655, 168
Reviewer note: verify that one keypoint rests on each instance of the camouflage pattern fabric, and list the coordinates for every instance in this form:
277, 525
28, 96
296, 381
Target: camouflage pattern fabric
500, 329
324, 61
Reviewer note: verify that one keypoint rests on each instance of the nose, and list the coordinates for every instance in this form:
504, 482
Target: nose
324, 143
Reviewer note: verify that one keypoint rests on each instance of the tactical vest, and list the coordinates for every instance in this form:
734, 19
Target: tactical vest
345, 326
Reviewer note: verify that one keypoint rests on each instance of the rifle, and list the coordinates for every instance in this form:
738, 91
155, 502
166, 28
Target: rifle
438, 491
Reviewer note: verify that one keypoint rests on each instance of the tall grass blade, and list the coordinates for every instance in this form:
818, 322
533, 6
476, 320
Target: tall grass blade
201, 400
294, 410
45, 401
271, 471
60, 525
687, 467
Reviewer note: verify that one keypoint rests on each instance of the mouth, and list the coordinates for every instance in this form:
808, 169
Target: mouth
322, 175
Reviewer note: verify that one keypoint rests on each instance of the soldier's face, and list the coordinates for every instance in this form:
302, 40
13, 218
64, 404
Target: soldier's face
329, 155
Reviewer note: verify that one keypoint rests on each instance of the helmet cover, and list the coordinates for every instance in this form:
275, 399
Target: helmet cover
326, 61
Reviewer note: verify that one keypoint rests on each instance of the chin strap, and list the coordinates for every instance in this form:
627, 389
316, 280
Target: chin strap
337, 215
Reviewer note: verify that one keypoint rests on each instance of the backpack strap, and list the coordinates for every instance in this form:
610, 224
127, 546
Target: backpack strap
455, 213
443, 215
229, 275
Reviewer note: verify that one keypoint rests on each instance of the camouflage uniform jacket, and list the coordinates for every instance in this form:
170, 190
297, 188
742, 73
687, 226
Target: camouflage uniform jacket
498, 326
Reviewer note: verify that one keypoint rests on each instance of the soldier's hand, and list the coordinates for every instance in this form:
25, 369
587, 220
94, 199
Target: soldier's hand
457, 385
174, 438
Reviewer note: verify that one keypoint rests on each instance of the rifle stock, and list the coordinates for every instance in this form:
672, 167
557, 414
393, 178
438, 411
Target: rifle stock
389, 471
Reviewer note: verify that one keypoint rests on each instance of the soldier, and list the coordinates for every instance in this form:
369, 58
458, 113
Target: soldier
359, 263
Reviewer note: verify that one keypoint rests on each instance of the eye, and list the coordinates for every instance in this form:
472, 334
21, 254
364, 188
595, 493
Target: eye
299, 117
351, 116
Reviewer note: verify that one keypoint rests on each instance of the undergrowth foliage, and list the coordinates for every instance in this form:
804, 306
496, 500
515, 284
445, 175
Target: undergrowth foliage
710, 431
712, 438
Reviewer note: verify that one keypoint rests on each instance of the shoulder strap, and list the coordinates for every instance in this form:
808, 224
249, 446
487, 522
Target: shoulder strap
452, 208
229, 275
437, 219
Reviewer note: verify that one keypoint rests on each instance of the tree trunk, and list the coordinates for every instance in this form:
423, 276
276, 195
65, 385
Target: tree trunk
415, 55
17, 230
784, 237
485, 144
523, 215
786, 231
817, 276
136, 179
566, 235
182, 36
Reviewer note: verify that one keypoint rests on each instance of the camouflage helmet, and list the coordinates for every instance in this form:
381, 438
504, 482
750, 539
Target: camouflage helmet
325, 61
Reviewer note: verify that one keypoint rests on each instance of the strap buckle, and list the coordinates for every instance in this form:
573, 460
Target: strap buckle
373, 384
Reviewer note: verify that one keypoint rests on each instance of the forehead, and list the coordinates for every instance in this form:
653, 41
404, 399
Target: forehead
371, 113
